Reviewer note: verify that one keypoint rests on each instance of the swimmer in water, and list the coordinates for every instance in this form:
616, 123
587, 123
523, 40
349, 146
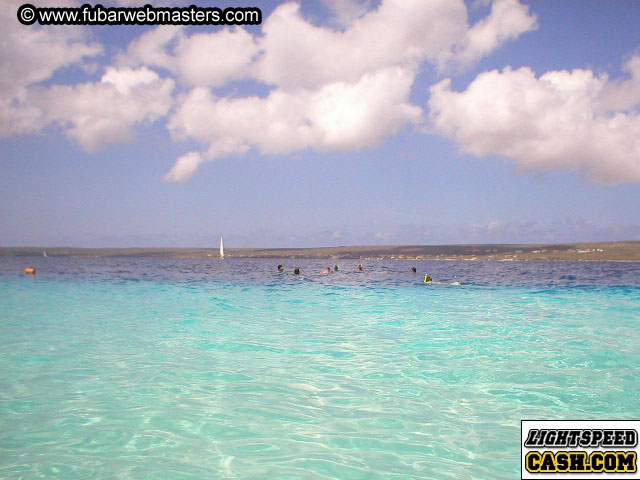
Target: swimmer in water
427, 278
360, 267
413, 269
296, 271
335, 268
327, 270
280, 268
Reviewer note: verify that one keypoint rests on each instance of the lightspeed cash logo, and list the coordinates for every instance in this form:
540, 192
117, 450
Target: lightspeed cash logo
580, 449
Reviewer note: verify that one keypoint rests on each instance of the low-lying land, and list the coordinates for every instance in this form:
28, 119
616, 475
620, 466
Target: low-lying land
598, 251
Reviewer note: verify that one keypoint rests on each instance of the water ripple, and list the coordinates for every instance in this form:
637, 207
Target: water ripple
189, 372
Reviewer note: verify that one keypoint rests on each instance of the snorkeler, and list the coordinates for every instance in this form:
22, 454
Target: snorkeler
280, 268
427, 278
335, 268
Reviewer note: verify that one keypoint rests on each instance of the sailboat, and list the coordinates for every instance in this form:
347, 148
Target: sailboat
221, 248
44, 254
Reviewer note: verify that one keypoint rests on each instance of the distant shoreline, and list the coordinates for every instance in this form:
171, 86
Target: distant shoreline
624, 251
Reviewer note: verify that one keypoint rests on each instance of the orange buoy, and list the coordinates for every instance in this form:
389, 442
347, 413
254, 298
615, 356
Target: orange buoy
32, 271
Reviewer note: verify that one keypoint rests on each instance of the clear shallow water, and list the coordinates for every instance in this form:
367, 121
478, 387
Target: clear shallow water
201, 368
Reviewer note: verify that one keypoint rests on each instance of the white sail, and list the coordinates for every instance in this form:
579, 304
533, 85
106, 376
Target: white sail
221, 248
44, 254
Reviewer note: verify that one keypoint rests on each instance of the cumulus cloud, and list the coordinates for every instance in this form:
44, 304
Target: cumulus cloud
507, 20
346, 11
399, 32
184, 168
29, 55
337, 116
330, 89
561, 120
92, 113
153, 48
298, 53
126, 97
623, 94
202, 59
215, 58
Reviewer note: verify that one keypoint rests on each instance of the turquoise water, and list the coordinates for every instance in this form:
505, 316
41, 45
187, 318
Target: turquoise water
200, 368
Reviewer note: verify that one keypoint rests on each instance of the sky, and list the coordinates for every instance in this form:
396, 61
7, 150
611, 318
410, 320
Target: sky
335, 122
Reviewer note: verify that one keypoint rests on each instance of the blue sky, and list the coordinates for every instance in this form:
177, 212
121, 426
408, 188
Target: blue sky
332, 123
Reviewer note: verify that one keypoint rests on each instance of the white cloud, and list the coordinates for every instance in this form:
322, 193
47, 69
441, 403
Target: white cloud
125, 97
202, 59
18, 115
126, 79
215, 58
153, 47
184, 168
399, 32
346, 11
623, 94
361, 114
337, 116
494, 225
547, 123
508, 19
92, 113
300, 54
332, 89
30, 54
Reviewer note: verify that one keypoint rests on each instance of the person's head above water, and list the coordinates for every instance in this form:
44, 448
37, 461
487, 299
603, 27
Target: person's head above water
360, 267
327, 270
427, 278
296, 271
413, 269
280, 268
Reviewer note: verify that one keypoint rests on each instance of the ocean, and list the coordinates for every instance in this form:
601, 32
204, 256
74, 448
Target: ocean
201, 368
